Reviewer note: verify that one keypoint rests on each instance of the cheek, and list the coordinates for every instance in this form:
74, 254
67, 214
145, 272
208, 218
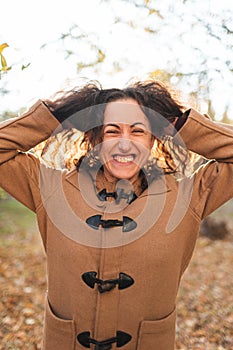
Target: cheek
104, 152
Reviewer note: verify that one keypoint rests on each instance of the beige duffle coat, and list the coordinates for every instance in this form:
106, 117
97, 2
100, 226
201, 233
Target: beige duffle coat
114, 287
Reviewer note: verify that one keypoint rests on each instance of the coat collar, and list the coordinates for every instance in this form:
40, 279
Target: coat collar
159, 186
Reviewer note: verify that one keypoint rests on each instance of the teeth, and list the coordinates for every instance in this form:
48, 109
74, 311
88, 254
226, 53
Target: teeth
124, 159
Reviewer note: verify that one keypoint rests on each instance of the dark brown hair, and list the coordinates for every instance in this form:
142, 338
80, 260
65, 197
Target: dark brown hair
155, 98
152, 94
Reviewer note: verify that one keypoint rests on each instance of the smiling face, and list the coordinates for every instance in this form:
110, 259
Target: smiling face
127, 140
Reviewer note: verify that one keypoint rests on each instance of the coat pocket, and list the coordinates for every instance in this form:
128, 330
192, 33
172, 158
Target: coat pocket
159, 334
59, 334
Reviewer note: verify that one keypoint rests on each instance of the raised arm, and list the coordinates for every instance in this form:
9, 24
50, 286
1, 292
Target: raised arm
213, 182
19, 169
208, 138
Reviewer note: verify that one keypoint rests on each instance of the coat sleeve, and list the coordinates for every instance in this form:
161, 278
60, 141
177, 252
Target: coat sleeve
19, 169
212, 182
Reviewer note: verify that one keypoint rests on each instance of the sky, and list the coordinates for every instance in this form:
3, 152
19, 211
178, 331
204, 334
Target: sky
27, 25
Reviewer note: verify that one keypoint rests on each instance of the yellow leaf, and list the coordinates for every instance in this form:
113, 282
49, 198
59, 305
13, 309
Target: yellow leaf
3, 46
155, 12
149, 30
101, 56
3, 62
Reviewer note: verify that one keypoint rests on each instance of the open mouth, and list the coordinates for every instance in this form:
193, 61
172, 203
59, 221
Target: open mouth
124, 158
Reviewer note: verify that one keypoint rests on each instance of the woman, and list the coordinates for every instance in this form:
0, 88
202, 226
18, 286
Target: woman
119, 230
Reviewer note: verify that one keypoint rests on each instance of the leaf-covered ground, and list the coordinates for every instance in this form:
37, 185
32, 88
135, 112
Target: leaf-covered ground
204, 306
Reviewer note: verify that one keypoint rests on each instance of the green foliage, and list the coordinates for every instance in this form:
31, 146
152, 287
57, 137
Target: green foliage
3, 194
14, 217
25, 66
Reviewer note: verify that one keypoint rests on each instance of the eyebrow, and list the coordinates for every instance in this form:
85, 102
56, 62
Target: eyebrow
132, 125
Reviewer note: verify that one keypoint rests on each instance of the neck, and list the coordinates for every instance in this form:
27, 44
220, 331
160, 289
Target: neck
103, 180
112, 179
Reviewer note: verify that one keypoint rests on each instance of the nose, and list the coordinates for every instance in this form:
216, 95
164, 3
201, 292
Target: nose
124, 144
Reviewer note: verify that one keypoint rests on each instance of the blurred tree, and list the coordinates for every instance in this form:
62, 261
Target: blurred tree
76, 42
7, 115
193, 41
186, 42
205, 34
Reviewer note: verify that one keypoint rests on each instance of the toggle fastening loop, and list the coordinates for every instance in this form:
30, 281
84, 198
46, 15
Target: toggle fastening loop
121, 339
127, 223
118, 195
124, 281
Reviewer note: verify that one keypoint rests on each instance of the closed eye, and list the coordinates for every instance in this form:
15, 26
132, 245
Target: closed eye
138, 131
112, 131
